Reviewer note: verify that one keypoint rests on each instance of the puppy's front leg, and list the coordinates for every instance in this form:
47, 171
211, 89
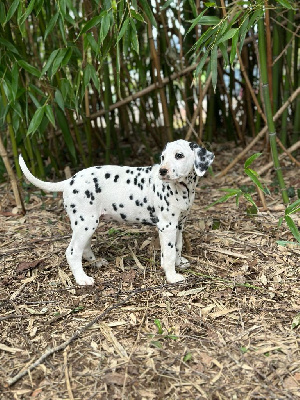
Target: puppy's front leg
167, 239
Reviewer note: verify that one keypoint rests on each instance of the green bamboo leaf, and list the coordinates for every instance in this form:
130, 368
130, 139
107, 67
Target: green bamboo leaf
87, 75
193, 7
147, 10
93, 22
64, 126
249, 198
59, 99
137, 16
92, 42
36, 120
293, 208
280, 221
123, 29
296, 321
195, 21
242, 32
126, 40
58, 61
50, 115
11, 10
95, 78
233, 51
2, 13
250, 160
201, 63
254, 177
222, 199
255, 16
62, 28
166, 5
49, 62
67, 56
228, 35
285, 4
134, 37
29, 68
14, 80
293, 228
8, 90
51, 24
204, 38
9, 46
214, 66
209, 20
223, 47
104, 28
27, 12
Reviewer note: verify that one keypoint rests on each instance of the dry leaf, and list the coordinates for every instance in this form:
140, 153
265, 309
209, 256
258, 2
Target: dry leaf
24, 266
10, 349
114, 379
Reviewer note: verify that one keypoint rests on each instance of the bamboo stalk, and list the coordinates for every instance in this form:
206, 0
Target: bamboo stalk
277, 66
159, 81
199, 107
268, 108
244, 65
155, 85
260, 134
269, 50
229, 100
288, 69
12, 177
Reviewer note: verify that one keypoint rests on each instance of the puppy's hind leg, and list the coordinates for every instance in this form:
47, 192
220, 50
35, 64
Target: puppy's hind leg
74, 253
90, 256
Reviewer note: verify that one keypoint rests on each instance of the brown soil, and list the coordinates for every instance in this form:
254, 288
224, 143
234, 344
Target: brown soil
226, 333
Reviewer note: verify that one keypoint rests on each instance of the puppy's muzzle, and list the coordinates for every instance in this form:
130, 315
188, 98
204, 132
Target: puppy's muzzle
163, 171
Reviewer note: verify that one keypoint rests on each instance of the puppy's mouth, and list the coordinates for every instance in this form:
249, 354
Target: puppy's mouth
168, 178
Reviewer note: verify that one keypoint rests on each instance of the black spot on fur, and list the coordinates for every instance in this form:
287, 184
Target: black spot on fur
123, 216
107, 175
115, 206
116, 178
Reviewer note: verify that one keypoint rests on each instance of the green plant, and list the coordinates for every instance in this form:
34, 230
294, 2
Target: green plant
243, 191
161, 335
291, 209
237, 193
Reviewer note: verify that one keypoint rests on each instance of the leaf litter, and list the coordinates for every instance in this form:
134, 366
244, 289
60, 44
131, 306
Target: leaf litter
230, 331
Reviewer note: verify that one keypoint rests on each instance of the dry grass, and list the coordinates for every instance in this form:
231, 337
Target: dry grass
223, 334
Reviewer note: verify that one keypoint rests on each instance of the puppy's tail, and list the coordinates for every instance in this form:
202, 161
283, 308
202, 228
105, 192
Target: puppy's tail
48, 186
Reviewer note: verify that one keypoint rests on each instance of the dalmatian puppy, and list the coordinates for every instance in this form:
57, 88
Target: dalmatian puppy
160, 195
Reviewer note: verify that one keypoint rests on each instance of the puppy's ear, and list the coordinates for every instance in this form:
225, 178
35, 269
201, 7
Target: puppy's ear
203, 158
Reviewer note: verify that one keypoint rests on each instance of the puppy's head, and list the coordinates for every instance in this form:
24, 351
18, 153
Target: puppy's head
180, 157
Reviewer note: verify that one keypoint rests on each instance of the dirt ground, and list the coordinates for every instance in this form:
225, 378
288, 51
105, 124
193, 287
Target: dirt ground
225, 333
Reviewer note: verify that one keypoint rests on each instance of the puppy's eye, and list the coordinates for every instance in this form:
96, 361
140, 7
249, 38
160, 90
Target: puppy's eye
178, 156
162, 158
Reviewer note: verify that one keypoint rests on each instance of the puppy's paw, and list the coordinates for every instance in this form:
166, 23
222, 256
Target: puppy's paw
182, 263
84, 280
174, 278
101, 263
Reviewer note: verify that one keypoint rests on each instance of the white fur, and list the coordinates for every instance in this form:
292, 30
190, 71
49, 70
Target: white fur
160, 195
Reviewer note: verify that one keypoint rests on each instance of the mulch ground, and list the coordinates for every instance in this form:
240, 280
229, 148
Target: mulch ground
225, 333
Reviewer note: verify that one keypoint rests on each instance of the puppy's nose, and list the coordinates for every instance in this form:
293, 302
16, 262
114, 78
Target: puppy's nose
163, 171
